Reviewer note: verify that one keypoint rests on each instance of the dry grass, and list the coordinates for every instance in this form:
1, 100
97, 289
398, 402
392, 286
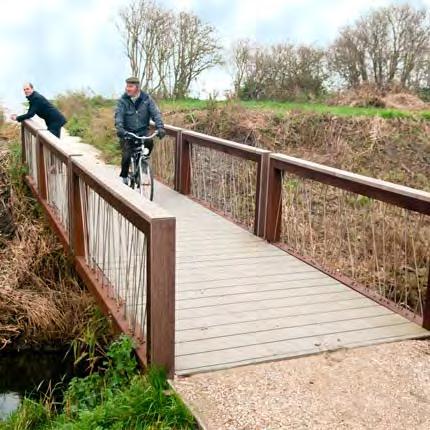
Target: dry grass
163, 160
371, 96
383, 247
225, 183
41, 301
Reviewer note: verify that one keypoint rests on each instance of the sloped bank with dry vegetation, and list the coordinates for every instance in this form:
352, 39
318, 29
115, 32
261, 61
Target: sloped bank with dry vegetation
42, 303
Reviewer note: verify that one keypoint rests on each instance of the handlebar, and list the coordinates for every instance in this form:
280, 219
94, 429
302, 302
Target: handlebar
142, 138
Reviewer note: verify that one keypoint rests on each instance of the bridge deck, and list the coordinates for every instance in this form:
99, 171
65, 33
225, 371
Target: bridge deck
241, 300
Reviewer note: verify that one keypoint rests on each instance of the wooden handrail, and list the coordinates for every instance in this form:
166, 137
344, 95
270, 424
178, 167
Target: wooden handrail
398, 195
222, 145
156, 223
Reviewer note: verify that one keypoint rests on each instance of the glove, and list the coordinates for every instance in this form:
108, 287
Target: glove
120, 133
161, 133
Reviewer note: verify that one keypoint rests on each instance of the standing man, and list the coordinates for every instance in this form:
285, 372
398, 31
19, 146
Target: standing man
41, 107
133, 112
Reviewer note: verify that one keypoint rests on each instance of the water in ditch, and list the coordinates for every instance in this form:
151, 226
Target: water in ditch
32, 374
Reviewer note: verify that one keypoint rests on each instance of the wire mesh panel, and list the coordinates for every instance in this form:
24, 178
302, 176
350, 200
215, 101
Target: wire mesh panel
163, 160
57, 192
225, 183
381, 246
30, 142
116, 251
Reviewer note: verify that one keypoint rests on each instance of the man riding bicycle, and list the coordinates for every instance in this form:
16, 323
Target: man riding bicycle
133, 112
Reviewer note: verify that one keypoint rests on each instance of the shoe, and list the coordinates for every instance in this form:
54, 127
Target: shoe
124, 180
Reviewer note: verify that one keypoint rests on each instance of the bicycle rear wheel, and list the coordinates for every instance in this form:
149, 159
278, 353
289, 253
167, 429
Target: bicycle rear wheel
146, 180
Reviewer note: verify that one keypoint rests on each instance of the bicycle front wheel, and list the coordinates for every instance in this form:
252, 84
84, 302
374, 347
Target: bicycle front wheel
146, 180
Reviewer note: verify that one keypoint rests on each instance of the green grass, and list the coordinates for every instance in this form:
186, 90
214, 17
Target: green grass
185, 104
283, 107
118, 398
325, 109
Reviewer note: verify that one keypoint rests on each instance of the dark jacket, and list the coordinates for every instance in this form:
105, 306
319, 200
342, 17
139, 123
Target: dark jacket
43, 108
135, 117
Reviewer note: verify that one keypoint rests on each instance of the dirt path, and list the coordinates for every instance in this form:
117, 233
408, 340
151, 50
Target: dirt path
382, 387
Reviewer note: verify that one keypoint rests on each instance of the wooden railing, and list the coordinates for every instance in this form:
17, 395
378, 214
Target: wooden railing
370, 234
228, 177
388, 215
123, 247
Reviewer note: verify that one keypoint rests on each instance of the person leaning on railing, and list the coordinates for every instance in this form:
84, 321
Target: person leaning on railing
133, 112
43, 108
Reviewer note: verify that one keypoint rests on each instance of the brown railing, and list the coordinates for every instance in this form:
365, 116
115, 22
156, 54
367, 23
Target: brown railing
370, 234
228, 177
123, 246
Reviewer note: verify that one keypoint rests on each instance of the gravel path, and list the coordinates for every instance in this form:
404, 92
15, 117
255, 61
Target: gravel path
383, 387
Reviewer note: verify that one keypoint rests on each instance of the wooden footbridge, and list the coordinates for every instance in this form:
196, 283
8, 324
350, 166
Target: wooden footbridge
245, 256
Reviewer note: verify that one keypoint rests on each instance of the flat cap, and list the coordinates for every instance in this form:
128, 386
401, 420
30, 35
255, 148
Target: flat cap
133, 80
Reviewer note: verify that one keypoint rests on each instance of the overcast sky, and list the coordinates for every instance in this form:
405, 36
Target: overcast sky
73, 44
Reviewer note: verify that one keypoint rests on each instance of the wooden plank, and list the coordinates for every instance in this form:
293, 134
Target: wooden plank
226, 256
249, 280
240, 263
189, 321
218, 274
266, 304
326, 336
293, 348
250, 327
203, 292
248, 297
212, 249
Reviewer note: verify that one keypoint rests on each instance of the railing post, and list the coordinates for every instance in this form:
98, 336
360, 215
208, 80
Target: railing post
41, 174
76, 213
161, 295
426, 309
274, 204
178, 145
23, 154
261, 195
185, 166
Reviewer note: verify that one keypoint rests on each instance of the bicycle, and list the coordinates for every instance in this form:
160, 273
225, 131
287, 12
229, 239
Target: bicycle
140, 173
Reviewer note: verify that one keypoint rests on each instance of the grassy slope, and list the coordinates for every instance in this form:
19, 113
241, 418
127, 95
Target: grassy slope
283, 107
363, 140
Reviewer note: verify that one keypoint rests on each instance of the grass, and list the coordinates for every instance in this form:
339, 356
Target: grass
326, 109
283, 107
117, 397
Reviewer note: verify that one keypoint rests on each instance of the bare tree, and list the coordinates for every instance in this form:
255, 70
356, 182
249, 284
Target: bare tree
167, 50
280, 72
241, 52
195, 49
382, 47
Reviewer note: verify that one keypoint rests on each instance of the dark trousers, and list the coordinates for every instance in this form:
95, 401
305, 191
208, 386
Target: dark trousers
127, 149
55, 128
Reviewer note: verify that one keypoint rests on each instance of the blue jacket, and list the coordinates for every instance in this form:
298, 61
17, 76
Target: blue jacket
135, 117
